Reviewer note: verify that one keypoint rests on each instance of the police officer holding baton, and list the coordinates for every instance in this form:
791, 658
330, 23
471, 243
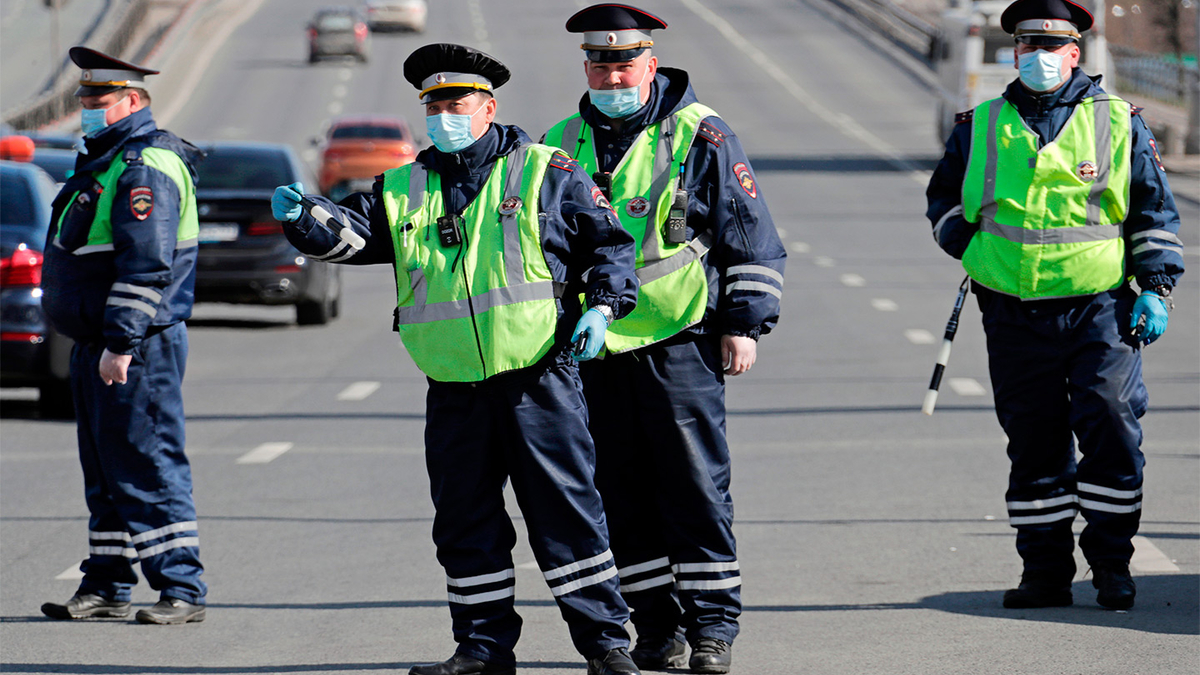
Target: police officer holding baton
1054, 198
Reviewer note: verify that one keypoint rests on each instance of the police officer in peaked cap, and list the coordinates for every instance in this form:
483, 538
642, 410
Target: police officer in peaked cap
1054, 197
711, 269
118, 279
491, 237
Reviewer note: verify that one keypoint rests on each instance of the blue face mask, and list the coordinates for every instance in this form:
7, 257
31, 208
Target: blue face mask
93, 122
451, 133
1041, 70
618, 103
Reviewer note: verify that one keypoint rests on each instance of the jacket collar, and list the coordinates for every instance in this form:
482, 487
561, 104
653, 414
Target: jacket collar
670, 92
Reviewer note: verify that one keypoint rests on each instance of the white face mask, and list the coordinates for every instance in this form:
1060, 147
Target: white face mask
1041, 70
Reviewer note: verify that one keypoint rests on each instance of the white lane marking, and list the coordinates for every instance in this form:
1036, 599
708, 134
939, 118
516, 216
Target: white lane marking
884, 305
345, 74
822, 261
72, 573
781, 232
1148, 558
339, 91
800, 247
840, 121
358, 391
335, 108
264, 453
967, 386
853, 280
919, 336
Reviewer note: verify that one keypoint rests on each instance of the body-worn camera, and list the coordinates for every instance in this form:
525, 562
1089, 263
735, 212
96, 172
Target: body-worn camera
676, 225
603, 181
449, 230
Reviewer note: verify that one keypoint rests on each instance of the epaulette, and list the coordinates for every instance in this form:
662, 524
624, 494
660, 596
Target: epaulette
711, 134
1134, 110
963, 117
133, 153
560, 161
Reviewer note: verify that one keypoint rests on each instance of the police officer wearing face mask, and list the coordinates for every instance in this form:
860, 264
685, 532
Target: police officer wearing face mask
711, 269
118, 279
1054, 197
491, 237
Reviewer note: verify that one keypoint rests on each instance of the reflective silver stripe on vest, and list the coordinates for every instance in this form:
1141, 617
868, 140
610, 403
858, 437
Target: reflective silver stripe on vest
420, 289
1054, 235
663, 156
417, 180
988, 207
695, 250
461, 309
514, 260
94, 248
187, 243
570, 136
1101, 107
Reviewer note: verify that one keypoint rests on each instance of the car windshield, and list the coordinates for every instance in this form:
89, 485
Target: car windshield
335, 22
58, 163
367, 131
244, 169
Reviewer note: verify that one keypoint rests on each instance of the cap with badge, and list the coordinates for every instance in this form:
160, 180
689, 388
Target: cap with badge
1046, 23
446, 71
614, 33
103, 74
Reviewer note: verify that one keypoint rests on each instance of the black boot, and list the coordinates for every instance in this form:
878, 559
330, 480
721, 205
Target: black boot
83, 605
1036, 591
710, 655
462, 665
659, 653
615, 662
1115, 585
171, 611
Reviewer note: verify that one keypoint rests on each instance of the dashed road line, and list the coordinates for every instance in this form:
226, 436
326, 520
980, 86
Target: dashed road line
265, 453
919, 336
1148, 558
358, 391
884, 304
967, 386
823, 261
852, 280
800, 247
72, 573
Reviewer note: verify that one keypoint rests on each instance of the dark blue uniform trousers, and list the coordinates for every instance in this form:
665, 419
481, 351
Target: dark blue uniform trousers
137, 480
529, 426
1062, 370
658, 418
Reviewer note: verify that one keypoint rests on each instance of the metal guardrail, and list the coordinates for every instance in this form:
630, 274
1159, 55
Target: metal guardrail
1151, 75
60, 100
910, 32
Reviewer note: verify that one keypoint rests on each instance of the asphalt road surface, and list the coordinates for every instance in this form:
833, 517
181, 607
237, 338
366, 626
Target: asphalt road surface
873, 539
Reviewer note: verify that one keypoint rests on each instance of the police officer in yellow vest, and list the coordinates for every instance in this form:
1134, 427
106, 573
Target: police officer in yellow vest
710, 265
118, 279
491, 236
1054, 197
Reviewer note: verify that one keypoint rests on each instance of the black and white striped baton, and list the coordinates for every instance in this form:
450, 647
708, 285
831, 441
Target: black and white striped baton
326, 220
944, 354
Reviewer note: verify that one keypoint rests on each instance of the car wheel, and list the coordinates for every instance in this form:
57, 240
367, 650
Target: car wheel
319, 312
55, 401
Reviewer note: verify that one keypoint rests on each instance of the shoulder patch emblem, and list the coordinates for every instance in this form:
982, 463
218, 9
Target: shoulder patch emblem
601, 201
560, 161
141, 202
962, 117
1134, 110
1157, 158
711, 134
745, 179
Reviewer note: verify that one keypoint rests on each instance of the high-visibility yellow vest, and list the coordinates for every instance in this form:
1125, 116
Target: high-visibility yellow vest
468, 312
1049, 218
100, 235
673, 292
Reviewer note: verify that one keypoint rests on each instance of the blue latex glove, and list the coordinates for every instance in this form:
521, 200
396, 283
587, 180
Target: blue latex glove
591, 328
285, 203
1154, 309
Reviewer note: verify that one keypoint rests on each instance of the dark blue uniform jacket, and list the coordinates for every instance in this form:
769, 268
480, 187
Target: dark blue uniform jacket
1151, 205
725, 200
577, 233
83, 293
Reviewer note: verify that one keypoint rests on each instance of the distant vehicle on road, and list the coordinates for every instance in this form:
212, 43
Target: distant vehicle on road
338, 31
32, 354
974, 58
397, 15
360, 147
244, 256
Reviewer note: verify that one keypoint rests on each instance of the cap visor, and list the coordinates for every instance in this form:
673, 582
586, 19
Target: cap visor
88, 90
450, 93
1045, 40
613, 55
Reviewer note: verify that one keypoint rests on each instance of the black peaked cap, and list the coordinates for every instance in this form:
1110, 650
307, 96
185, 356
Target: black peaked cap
1065, 10
89, 60
444, 57
613, 16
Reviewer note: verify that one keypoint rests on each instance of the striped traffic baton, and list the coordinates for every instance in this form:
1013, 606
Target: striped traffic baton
944, 354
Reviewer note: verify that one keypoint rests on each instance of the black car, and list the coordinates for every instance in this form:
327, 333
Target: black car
244, 256
338, 31
33, 354
57, 162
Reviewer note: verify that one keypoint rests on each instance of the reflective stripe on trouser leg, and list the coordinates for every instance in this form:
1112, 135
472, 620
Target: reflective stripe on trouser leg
473, 533
552, 464
1107, 399
142, 479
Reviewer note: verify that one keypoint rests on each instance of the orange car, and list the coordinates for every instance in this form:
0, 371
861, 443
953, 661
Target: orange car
360, 147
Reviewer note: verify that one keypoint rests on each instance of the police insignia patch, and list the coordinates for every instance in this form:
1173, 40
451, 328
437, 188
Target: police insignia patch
638, 207
141, 202
1086, 170
598, 197
745, 179
1157, 158
510, 206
